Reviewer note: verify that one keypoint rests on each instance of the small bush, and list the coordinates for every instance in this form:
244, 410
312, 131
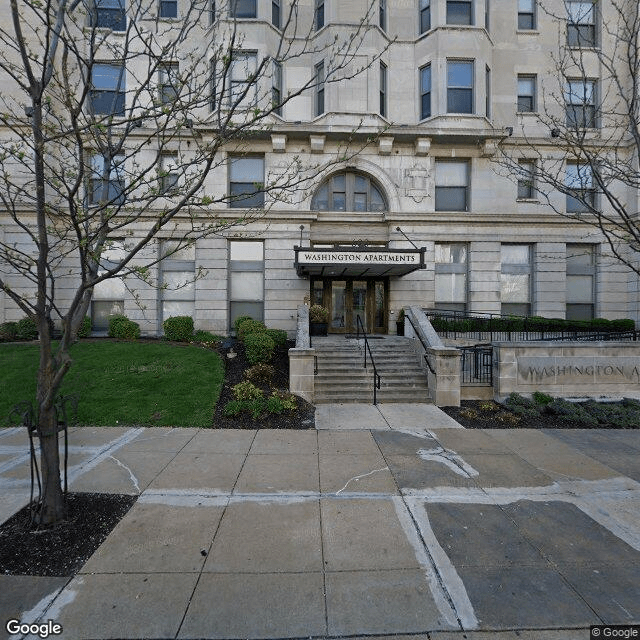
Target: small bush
260, 373
279, 336
275, 405
570, 412
233, 408
287, 399
318, 313
85, 328
259, 347
256, 407
178, 328
8, 331
489, 407
522, 406
248, 327
246, 391
27, 329
206, 337
239, 320
542, 398
122, 328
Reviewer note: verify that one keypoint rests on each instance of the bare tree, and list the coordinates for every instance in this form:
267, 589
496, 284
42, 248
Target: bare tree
582, 157
111, 122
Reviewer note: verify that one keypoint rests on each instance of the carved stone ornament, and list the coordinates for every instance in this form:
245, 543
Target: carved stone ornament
416, 182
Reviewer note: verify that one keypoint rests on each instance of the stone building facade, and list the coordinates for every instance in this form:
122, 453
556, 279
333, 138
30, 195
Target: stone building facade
445, 85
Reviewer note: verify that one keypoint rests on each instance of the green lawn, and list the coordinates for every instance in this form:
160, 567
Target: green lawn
124, 383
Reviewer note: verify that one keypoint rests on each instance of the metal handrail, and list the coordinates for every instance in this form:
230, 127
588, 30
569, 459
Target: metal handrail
376, 375
424, 346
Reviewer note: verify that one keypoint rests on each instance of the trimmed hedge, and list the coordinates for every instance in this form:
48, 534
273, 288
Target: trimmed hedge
259, 347
250, 326
122, 328
27, 329
239, 320
85, 328
279, 336
8, 332
178, 328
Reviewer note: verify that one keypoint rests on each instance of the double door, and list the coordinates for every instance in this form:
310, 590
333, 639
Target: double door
349, 298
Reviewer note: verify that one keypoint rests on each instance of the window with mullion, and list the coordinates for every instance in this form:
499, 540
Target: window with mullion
110, 14
526, 15
348, 192
383, 89
526, 94
581, 23
451, 276
246, 280
425, 92
460, 86
242, 82
581, 194
246, 182
107, 183
319, 78
168, 88
319, 14
168, 177
275, 13
425, 15
382, 14
580, 97
168, 8
515, 279
107, 95
244, 9
452, 185
460, 12
276, 87
526, 172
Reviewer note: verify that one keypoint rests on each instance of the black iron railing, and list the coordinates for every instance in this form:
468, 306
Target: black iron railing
477, 364
376, 376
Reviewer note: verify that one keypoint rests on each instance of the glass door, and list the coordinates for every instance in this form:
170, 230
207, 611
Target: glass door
358, 305
337, 322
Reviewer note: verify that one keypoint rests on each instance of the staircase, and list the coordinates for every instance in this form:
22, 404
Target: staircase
341, 376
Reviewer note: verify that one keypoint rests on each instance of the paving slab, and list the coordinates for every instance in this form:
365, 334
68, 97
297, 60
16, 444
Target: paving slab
20, 594
394, 443
481, 535
412, 472
279, 473
538, 634
566, 535
267, 605
524, 597
362, 534
263, 537
212, 471
97, 436
157, 538
613, 592
162, 439
120, 605
345, 474
123, 472
471, 441
347, 443
221, 441
503, 470
420, 416
284, 441
349, 416
590, 441
625, 464
380, 602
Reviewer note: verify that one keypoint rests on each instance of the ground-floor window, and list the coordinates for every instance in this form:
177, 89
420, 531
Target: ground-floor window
108, 295
581, 280
515, 279
177, 290
451, 276
246, 279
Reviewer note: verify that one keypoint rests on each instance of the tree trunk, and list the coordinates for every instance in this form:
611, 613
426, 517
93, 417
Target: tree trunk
53, 507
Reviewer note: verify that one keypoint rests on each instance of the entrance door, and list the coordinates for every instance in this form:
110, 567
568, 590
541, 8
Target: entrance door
347, 299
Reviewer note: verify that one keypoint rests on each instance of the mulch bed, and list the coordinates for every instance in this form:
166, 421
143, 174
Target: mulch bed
301, 418
63, 549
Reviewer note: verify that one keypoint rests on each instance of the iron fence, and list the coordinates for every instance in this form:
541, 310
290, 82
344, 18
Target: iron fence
477, 364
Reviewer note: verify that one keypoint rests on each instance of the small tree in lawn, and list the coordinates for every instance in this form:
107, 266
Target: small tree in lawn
110, 122
589, 113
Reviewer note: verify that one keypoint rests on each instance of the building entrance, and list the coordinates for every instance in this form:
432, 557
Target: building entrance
348, 298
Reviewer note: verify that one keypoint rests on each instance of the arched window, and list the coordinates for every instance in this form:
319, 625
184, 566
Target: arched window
349, 191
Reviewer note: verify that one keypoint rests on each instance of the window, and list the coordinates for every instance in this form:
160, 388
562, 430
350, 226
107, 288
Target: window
451, 276
425, 15
526, 15
515, 280
178, 275
110, 14
107, 95
168, 173
581, 279
319, 102
168, 82
349, 191
319, 14
242, 81
526, 185
425, 92
459, 86
580, 103
382, 15
275, 13
452, 185
213, 81
581, 23
106, 181
276, 87
246, 280
487, 14
487, 92
246, 182
212, 11
459, 11
581, 197
108, 295
244, 9
526, 94
168, 8
383, 89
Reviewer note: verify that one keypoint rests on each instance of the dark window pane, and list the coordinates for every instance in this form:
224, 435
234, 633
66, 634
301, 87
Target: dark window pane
525, 104
319, 18
581, 35
110, 14
107, 102
253, 197
459, 12
459, 101
579, 312
425, 106
244, 9
168, 8
451, 198
515, 309
275, 14
339, 201
425, 19
525, 21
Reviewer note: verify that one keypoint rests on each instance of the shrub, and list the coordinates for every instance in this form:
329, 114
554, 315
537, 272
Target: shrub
258, 347
260, 373
121, 327
318, 313
256, 407
178, 328
233, 408
206, 337
542, 398
570, 412
279, 336
246, 391
239, 320
522, 406
275, 405
8, 331
27, 329
287, 399
248, 327
84, 330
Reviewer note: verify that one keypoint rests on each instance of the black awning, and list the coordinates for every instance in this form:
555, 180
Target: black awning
357, 262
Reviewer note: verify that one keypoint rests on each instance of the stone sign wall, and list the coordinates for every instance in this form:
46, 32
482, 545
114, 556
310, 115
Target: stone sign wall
573, 369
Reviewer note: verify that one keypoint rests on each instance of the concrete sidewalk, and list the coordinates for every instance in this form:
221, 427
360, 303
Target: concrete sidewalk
421, 530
